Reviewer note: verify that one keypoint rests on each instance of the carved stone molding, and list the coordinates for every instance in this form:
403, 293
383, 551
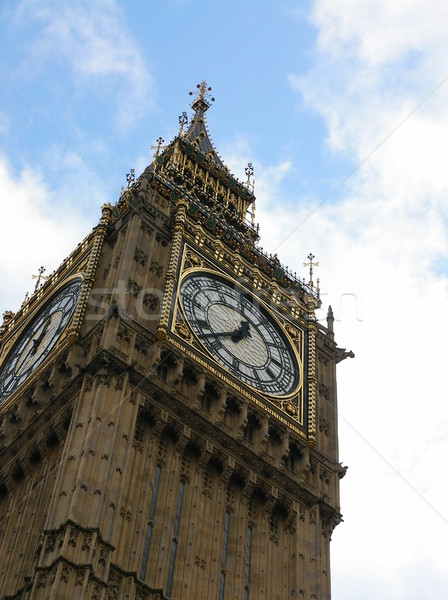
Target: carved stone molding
324, 426
140, 257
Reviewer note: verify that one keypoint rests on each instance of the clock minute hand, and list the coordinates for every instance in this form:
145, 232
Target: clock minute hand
217, 334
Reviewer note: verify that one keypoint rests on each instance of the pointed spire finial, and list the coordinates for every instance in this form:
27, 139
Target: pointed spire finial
130, 180
204, 99
250, 184
130, 177
39, 277
8, 315
183, 120
330, 321
311, 264
249, 170
159, 146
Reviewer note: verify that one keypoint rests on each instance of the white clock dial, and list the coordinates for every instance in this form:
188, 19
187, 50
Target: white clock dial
239, 333
38, 338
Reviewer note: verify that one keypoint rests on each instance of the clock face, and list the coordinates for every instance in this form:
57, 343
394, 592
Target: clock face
240, 334
38, 338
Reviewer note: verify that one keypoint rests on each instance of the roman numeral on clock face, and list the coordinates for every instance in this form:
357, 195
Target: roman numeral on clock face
256, 375
215, 345
263, 322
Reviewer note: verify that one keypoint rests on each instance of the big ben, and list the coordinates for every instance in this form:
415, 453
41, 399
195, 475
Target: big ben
168, 406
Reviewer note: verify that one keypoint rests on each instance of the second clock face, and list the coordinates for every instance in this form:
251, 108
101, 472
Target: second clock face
38, 338
239, 333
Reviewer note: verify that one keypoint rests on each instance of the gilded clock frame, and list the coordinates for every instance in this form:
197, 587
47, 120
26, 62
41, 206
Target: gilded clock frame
67, 337
81, 263
292, 405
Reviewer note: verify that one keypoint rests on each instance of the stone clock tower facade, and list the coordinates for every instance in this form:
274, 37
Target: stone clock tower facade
168, 410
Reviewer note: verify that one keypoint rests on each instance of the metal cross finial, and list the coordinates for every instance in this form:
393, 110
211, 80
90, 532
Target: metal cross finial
204, 92
130, 177
183, 120
249, 170
159, 146
41, 275
311, 264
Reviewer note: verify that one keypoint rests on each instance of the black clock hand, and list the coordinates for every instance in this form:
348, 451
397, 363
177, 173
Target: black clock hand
242, 332
23, 358
236, 335
218, 334
37, 341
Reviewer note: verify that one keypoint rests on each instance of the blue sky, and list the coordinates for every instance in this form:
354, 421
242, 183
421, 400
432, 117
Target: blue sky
342, 108
111, 107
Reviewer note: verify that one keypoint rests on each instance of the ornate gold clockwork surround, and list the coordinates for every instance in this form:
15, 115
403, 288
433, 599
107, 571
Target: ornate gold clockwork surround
239, 336
239, 333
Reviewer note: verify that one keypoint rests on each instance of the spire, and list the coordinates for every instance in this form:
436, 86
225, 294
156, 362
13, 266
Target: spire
204, 99
311, 264
330, 322
197, 133
190, 167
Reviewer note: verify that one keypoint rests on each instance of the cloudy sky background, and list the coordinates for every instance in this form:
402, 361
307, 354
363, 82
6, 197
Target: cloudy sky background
342, 107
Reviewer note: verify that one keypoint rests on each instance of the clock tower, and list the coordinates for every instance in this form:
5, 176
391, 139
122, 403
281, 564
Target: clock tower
168, 408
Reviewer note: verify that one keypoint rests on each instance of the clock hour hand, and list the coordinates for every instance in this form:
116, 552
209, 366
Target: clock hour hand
242, 332
236, 335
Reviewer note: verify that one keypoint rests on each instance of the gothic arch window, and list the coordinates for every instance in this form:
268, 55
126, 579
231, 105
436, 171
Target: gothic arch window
209, 397
224, 549
205, 402
275, 440
189, 379
165, 365
162, 371
233, 409
150, 526
293, 459
249, 432
247, 562
253, 424
175, 538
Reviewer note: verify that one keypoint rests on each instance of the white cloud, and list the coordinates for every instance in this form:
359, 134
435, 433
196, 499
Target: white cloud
378, 32
386, 243
43, 232
91, 40
390, 309
268, 187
